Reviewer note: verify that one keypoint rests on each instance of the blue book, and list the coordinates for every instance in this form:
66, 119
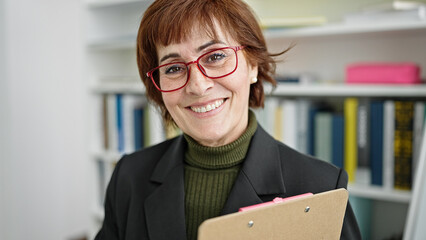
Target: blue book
311, 130
376, 142
337, 140
138, 128
120, 130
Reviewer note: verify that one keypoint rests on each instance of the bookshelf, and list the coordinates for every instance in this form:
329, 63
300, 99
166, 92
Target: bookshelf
111, 27
323, 51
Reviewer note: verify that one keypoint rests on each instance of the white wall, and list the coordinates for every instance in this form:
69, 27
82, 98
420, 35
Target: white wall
44, 162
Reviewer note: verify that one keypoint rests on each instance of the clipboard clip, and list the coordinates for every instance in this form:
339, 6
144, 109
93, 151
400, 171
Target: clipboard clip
275, 201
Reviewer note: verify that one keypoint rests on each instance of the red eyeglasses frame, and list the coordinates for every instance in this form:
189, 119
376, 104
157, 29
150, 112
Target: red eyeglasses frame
200, 68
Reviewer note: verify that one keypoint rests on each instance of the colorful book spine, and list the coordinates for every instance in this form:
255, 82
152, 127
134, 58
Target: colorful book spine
363, 172
119, 121
311, 130
403, 144
351, 158
323, 138
112, 123
302, 125
154, 126
388, 144
105, 123
376, 142
290, 123
337, 140
279, 118
138, 117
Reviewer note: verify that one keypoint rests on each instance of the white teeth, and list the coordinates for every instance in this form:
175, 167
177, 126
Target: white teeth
208, 107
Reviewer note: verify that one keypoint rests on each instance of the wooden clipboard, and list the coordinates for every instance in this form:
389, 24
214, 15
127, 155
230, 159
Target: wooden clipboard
319, 216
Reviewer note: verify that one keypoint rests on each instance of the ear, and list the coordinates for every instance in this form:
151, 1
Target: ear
253, 71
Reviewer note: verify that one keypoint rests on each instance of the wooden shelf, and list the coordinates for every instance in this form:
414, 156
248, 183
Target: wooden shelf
344, 90
378, 193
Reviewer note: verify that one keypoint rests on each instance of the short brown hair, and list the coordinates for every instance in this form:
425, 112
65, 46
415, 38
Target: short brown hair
170, 21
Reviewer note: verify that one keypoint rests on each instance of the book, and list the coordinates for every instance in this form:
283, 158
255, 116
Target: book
337, 140
138, 121
388, 142
278, 121
102, 184
351, 153
112, 122
323, 138
311, 129
418, 126
269, 122
363, 171
312, 111
376, 142
105, 123
131, 103
290, 123
119, 122
153, 127
403, 144
302, 125
383, 72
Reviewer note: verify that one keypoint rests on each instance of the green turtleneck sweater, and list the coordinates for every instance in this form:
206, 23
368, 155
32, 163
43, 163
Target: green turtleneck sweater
210, 173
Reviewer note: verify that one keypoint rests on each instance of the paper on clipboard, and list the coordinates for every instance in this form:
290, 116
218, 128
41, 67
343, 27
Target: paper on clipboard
319, 216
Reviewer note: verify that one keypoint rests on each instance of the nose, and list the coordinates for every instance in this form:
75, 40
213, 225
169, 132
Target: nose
198, 83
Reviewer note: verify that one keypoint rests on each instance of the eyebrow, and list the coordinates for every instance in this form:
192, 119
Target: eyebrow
199, 49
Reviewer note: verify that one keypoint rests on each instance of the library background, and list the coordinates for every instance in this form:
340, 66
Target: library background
350, 92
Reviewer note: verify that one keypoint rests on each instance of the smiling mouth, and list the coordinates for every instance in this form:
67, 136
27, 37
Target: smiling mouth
208, 107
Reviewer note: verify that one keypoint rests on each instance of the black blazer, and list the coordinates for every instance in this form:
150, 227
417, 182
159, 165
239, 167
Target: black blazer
145, 197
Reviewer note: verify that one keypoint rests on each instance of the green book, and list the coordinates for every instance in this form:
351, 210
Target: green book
323, 135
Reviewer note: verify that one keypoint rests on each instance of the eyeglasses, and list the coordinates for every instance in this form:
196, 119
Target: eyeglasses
214, 64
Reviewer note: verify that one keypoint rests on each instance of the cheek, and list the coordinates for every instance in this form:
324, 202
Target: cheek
168, 101
171, 101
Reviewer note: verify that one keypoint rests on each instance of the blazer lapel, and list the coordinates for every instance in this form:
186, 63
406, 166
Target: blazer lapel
165, 207
261, 174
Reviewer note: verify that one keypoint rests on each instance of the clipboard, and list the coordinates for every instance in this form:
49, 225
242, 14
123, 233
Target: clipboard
318, 216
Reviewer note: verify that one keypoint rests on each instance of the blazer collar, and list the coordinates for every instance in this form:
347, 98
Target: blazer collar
165, 207
261, 174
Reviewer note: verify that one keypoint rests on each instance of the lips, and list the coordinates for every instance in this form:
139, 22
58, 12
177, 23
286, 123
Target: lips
208, 107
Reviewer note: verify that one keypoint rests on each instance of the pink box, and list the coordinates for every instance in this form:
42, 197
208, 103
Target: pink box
386, 73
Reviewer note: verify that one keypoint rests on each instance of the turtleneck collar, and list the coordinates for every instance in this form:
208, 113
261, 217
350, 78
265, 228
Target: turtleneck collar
224, 156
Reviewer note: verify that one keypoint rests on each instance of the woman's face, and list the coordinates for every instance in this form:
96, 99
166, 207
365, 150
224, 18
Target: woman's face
229, 95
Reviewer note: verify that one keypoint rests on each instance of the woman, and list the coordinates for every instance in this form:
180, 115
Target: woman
203, 62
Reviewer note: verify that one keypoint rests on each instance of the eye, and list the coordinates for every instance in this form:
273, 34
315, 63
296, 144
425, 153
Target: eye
174, 69
215, 57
